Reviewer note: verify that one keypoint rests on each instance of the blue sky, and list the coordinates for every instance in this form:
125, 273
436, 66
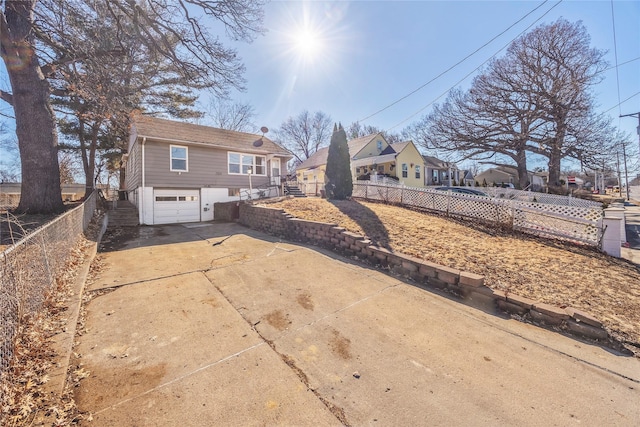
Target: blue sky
369, 54
363, 56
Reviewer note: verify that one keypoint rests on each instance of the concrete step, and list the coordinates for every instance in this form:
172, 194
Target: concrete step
123, 217
293, 191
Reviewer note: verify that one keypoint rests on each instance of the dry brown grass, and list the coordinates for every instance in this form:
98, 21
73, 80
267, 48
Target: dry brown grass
547, 271
25, 397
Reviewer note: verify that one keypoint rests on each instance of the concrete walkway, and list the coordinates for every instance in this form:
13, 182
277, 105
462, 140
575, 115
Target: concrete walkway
632, 219
216, 324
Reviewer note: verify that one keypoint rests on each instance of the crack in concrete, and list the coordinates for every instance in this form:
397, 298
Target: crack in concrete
290, 362
180, 378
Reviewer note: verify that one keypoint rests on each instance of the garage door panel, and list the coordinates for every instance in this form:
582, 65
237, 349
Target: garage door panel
175, 206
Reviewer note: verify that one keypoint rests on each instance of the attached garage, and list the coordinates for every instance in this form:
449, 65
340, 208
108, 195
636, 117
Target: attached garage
176, 205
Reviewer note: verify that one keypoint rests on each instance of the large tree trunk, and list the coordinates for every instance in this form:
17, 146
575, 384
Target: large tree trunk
554, 172
35, 121
521, 166
555, 155
88, 146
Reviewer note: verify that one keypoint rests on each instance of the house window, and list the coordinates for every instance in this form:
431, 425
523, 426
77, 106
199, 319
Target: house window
417, 171
381, 169
434, 175
379, 145
178, 158
240, 164
405, 170
259, 165
233, 192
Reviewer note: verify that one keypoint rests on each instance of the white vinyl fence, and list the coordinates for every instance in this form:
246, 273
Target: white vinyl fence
530, 196
561, 221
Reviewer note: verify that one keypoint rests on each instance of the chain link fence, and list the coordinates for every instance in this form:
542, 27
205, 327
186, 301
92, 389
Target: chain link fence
29, 268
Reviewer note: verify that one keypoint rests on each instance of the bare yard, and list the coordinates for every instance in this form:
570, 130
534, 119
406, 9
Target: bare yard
547, 271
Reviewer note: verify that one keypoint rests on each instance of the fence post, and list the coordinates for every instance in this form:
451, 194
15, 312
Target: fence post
401, 194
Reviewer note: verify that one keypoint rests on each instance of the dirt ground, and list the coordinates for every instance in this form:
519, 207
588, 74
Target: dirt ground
547, 271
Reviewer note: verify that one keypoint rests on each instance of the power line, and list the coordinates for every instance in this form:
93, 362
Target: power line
615, 52
619, 65
622, 102
474, 70
458, 63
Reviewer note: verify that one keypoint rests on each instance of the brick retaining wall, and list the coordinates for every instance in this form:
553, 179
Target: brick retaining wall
467, 285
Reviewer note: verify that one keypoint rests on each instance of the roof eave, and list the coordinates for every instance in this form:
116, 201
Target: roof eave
215, 145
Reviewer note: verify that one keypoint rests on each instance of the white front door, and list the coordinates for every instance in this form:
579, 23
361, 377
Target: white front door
172, 206
275, 171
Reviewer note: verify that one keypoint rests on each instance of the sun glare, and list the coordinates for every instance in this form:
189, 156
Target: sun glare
308, 43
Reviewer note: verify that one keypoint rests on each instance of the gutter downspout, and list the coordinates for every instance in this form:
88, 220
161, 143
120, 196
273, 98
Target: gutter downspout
144, 139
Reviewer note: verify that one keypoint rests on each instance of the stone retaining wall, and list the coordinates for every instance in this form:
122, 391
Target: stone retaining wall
226, 211
464, 284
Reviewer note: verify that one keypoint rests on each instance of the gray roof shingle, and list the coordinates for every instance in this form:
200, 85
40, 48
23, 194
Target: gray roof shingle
319, 158
171, 130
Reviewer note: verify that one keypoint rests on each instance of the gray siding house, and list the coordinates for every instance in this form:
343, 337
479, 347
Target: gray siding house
439, 172
176, 171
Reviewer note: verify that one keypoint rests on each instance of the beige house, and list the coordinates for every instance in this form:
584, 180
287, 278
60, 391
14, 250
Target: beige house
372, 157
505, 175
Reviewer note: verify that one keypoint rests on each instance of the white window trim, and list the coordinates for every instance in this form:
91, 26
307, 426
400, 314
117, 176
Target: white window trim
186, 169
253, 165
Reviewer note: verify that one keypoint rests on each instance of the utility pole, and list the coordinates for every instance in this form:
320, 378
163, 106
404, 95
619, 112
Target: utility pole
638, 128
619, 177
626, 173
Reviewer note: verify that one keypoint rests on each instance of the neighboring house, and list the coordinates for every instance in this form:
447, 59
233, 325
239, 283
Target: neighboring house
176, 171
508, 175
10, 193
439, 171
371, 157
468, 180
572, 181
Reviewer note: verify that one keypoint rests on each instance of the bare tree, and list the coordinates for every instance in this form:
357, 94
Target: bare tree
232, 115
535, 99
35, 42
557, 63
35, 121
357, 130
10, 158
68, 167
96, 97
305, 134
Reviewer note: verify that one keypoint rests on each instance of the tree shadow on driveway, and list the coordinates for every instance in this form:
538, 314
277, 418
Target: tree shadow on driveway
372, 226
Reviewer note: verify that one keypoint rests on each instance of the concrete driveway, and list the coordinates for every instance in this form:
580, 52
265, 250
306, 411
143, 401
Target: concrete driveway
216, 324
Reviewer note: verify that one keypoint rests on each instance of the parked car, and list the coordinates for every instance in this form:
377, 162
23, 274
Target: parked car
462, 190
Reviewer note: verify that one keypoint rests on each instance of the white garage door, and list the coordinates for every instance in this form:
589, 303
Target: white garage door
172, 206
